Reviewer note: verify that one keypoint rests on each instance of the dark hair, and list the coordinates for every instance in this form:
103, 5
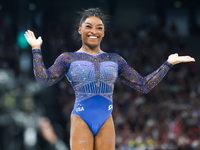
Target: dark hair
92, 12
86, 13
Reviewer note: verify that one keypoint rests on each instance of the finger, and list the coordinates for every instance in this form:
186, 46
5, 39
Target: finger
190, 59
186, 59
40, 39
27, 34
31, 34
27, 38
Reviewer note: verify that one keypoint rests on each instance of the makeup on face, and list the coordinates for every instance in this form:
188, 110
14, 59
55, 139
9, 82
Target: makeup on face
92, 28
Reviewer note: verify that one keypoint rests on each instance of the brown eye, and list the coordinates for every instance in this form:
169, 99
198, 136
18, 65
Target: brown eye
88, 26
100, 28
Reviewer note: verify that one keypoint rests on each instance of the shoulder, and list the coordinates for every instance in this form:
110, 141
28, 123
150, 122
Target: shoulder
116, 57
66, 56
112, 55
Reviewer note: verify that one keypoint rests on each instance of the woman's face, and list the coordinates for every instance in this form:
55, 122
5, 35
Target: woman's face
92, 31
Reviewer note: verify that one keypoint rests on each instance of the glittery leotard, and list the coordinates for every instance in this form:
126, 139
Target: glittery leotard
92, 78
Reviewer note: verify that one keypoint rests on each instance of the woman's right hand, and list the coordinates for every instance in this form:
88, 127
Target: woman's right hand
34, 43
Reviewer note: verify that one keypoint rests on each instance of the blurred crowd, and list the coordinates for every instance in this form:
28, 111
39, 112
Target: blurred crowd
167, 118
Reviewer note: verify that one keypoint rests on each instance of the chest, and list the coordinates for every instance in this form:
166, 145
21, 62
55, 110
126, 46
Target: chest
86, 70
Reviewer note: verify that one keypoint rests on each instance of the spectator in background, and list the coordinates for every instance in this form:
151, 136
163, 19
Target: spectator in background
49, 134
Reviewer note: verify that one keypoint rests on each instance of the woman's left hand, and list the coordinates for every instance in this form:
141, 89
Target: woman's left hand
175, 59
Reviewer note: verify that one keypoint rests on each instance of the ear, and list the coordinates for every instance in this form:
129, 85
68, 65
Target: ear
79, 30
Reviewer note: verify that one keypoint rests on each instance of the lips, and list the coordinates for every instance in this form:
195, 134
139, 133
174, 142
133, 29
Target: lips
92, 37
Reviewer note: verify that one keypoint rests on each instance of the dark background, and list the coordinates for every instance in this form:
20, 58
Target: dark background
144, 32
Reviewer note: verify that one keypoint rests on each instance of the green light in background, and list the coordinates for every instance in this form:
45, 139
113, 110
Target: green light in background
32, 6
177, 4
21, 40
0, 7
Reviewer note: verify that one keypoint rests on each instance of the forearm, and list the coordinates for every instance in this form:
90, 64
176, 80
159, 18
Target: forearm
145, 84
153, 79
38, 66
51, 75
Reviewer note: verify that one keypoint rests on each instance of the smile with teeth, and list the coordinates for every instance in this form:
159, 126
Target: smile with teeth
93, 37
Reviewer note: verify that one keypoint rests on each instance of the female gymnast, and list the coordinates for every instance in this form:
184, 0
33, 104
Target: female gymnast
92, 73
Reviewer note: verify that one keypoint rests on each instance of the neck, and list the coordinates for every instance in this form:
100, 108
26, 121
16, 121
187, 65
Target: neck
90, 50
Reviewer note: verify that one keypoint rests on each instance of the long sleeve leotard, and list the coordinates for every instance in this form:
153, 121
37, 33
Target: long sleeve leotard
115, 66
92, 78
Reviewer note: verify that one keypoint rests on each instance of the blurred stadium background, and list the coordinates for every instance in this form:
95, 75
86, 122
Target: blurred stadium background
144, 32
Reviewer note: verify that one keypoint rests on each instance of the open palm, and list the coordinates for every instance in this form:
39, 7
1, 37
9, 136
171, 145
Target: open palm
31, 39
175, 59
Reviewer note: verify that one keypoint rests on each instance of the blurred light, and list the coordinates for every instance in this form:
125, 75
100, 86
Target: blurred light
34, 87
32, 6
21, 40
0, 7
10, 100
25, 62
30, 137
3, 76
177, 4
7, 80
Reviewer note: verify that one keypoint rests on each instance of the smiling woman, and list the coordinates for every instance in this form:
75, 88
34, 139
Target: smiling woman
92, 73
92, 32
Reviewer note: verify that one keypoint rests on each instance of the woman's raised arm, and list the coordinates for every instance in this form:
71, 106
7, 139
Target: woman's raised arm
51, 75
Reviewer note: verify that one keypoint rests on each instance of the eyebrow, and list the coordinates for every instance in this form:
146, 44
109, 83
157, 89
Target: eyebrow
91, 24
